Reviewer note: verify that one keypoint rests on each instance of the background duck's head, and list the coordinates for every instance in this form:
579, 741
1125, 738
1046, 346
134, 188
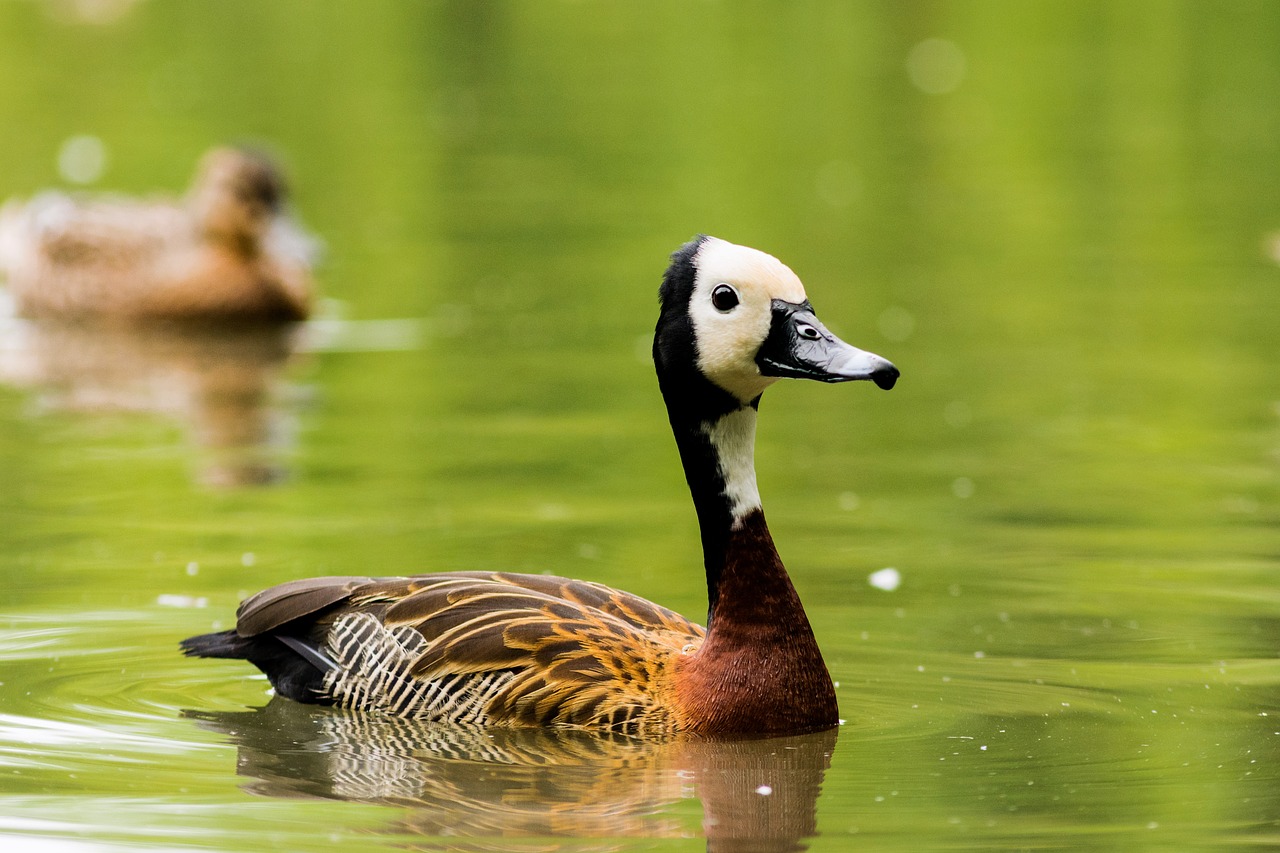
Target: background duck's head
734, 320
236, 196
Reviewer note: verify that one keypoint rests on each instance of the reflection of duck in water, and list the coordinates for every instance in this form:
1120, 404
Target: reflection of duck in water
221, 381
756, 794
228, 252
533, 650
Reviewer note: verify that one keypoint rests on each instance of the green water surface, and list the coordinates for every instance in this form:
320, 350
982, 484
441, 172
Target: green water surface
1057, 218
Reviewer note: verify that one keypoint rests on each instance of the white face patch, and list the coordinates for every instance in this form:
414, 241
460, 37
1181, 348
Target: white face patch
734, 438
728, 340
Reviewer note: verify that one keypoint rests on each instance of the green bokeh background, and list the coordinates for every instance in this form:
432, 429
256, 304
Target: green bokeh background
1064, 239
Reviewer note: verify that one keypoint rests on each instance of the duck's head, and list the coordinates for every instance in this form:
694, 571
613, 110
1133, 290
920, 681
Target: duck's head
236, 196
739, 319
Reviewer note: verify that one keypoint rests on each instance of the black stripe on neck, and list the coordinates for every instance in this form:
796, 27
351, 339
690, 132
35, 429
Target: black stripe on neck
694, 403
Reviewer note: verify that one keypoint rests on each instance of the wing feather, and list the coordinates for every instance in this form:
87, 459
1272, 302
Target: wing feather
286, 602
495, 648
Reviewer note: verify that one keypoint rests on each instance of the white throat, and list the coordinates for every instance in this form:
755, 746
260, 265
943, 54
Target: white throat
734, 439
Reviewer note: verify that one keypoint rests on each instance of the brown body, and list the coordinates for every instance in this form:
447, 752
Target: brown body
760, 669
226, 252
538, 650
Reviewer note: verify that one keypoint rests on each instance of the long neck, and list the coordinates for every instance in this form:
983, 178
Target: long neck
716, 437
717, 450
759, 668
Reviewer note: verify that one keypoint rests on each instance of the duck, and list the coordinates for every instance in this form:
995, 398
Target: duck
226, 252
496, 648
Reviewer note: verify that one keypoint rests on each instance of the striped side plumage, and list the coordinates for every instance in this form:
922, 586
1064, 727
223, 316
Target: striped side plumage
474, 647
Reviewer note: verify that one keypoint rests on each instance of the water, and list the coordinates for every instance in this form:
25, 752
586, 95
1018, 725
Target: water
1058, 219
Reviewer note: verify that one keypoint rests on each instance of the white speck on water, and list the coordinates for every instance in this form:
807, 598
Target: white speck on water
962, 487
847, 501
193, 568
247, 559
887, 579
764, 790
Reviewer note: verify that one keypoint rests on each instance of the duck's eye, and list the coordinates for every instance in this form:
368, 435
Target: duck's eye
806, 331
724, 297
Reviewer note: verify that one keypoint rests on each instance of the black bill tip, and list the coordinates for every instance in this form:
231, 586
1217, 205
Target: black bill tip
886, 377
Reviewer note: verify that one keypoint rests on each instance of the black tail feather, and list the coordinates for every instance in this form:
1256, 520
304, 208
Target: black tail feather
292, 673
222, 644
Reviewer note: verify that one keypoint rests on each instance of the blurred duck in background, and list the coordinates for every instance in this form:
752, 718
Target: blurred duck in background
228, 252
